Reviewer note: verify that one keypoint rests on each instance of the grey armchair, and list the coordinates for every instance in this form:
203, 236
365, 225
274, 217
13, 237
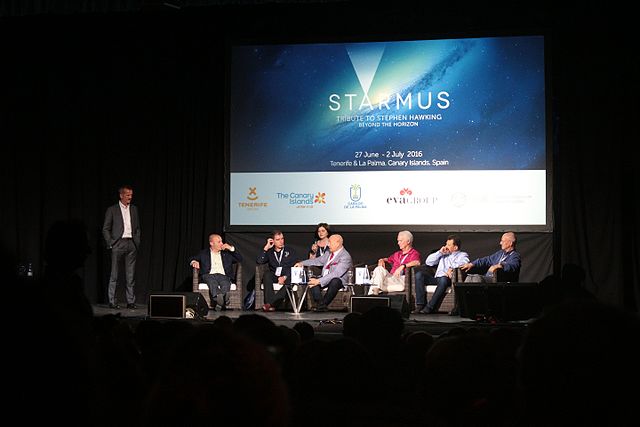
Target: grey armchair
235, 294
409, 281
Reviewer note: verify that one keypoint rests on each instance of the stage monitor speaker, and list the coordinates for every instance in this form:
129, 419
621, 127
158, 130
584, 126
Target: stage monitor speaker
503, 301
366, 303
177, 305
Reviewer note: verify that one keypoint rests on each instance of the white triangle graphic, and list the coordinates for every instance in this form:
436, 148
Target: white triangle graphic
365, 59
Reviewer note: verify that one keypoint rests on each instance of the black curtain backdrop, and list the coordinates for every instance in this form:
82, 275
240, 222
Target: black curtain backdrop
91, 101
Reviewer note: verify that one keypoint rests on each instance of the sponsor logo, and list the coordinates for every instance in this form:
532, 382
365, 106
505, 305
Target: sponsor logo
458, 199
355, 198
406, 196
355, 193
252, 204
303, 200
253, 194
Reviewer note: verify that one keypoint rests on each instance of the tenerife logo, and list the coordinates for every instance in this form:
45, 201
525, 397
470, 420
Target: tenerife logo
406, 197
355, 196
252, 197
253, 194
303, 200
388, 93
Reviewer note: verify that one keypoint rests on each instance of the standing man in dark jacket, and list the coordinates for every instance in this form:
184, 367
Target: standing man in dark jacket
121, 232
216, 268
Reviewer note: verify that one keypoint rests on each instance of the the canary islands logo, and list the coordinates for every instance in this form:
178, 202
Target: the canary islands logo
303, 200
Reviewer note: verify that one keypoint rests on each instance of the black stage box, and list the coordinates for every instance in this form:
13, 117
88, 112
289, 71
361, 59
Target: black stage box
177, 305
502, 301
366, 303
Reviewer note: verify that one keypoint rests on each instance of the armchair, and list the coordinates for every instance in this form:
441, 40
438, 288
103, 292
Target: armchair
261, 269
499, 276
259, 290
448, 303
235, 294
409, 281
341, 302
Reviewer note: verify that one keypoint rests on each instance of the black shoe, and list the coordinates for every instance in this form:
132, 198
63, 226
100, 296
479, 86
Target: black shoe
454, 312
426, 310
114, 306
418, 309
132, 306
225, 308
320, 309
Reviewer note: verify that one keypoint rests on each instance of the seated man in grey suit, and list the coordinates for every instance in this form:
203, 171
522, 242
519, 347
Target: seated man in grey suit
335, 264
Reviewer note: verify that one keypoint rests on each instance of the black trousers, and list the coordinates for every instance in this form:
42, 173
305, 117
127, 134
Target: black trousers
218, 284
126, 250
270, 295
332, 290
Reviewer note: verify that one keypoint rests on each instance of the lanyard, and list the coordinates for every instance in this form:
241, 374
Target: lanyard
404, 257
275, 254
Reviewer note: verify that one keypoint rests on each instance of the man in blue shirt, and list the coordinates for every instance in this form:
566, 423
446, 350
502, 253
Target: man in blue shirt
506, 259
447, 258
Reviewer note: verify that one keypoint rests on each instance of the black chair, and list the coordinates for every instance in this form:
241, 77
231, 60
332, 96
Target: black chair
499, 276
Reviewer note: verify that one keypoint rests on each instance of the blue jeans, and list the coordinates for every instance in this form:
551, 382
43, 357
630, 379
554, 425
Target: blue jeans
424, 278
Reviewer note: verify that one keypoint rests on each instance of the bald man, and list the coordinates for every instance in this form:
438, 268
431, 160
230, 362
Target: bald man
506, 259
216, 269
335, 264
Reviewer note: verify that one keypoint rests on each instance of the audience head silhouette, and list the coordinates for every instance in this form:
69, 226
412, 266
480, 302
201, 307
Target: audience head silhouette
579, 362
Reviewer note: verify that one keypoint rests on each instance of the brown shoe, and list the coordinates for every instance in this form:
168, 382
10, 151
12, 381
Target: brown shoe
268, 307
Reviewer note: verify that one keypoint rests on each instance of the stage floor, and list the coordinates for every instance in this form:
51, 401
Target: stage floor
327, 324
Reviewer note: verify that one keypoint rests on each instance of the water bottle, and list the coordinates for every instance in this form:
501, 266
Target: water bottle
29, 270
350, 277
303, 276
367, 277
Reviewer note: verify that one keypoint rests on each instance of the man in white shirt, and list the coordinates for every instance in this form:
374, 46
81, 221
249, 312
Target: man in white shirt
447, 258
216, 269
121, 232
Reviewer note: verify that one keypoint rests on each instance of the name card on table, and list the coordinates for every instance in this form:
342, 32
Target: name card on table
362, 276
297, 274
